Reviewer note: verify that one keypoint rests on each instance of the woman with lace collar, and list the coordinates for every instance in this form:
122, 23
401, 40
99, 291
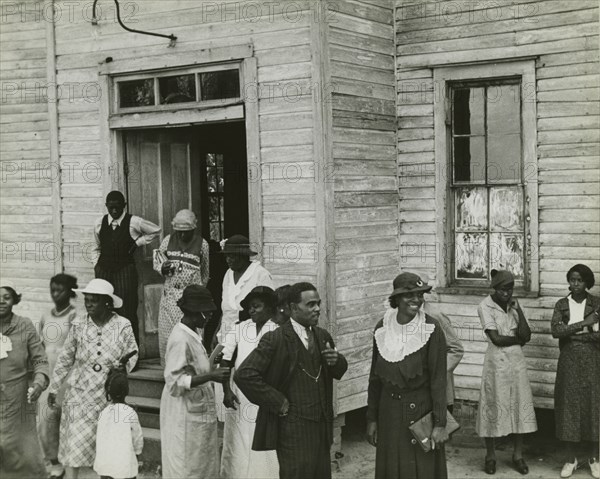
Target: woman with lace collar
407, 381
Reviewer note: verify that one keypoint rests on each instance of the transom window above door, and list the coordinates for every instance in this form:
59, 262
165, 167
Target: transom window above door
177, 89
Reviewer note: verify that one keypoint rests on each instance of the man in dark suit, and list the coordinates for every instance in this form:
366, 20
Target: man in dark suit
290, 376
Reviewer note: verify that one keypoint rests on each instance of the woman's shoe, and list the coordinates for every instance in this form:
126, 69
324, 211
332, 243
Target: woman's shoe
490, 466
520, 466
595, 468
568, 469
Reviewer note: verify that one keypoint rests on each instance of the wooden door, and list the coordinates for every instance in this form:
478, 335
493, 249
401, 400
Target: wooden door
158, 165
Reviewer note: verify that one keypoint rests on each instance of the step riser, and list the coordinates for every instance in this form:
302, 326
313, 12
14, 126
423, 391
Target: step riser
147, 389
149, 419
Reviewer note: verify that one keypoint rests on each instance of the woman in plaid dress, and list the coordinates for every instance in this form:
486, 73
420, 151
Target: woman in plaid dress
94, 345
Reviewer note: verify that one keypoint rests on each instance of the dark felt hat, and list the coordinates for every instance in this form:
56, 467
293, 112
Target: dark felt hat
409, 283
196, 299
261, 292
501, 278
238, 244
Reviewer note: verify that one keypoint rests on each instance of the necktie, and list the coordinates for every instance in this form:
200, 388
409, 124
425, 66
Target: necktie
311, 340
115, 224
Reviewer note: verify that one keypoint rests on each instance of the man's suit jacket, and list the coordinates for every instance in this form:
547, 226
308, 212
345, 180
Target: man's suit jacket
266, 373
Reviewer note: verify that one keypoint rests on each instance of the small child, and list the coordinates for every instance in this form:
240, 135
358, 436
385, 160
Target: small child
54, 328
119, 437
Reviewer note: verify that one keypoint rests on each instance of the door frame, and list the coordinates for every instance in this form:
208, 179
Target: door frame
111, 126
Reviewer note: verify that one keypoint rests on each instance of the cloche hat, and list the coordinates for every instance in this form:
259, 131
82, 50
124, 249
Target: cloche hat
409, 283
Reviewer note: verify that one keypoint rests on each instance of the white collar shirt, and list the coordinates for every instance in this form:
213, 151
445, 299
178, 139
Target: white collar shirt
576, 310
301, 331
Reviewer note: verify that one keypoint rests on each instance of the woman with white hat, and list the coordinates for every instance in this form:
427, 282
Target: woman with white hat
20, 346
183, 260
95, 344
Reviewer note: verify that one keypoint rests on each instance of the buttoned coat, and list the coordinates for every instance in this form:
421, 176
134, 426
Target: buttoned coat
266, 373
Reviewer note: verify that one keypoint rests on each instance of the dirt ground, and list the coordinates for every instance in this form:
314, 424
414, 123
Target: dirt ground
541, 452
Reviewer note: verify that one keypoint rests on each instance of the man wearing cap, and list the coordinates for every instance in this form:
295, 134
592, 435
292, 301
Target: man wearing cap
117, 235
290, 377
183, 260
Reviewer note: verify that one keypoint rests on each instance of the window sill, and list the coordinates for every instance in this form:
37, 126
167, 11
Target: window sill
475, 291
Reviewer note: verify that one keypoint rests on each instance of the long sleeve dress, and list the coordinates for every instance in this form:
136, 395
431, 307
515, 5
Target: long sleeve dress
19, 446
233, 294
88, 355
191, 267
54, 329
577, 389
506, 401
238, 459
188, 426
401, 393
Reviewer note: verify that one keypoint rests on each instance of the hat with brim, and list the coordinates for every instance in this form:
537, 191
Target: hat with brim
185, 220
104, 288
263, 293
238, 244
196, 299
4, 283
409, 283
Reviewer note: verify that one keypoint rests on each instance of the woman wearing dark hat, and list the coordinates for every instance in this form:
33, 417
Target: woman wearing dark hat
506, 401
407, 381
242, 276
577, 390
238, 459
20, 347
188, 427
95, 344
183, 259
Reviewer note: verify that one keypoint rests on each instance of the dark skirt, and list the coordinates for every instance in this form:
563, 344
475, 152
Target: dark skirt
577, 392
398, 454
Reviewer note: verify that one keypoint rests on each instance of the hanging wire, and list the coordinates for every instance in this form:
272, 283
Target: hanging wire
172, 38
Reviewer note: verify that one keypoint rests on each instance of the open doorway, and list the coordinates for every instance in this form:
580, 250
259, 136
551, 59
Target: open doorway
203, 168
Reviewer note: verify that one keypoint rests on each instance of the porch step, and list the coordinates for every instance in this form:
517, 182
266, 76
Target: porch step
146, 382
148, 410
151, 453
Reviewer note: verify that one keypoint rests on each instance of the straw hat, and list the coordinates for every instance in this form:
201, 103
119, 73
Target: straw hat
103, 287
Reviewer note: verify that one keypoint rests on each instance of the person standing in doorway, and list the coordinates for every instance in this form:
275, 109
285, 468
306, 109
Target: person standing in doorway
290, 377
117, 235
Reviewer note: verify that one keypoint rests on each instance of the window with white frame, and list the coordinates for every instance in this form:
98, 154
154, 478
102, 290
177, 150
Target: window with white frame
485, 145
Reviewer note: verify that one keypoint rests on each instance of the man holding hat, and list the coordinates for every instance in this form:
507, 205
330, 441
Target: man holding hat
117, 235
183, 260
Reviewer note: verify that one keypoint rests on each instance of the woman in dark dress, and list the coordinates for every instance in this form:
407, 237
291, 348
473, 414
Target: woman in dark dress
407, 381
577, 390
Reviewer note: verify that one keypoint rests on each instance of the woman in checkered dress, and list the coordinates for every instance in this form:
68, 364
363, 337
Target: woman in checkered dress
94, 345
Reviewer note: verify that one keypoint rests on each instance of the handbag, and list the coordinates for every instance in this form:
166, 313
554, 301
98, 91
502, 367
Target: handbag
423, 428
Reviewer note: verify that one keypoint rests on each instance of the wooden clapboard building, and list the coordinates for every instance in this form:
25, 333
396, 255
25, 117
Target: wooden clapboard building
350, 140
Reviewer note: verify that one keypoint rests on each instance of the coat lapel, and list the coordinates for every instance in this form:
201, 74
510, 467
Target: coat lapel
291, 340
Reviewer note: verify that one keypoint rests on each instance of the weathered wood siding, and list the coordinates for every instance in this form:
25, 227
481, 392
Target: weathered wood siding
26, 186
365, 248
564, 36
280, 35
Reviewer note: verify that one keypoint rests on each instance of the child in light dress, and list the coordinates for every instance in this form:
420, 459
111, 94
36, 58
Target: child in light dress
119, 438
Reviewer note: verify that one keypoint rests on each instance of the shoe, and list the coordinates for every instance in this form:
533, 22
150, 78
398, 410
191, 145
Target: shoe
595, 468
520, 466
568, 469
57, 471
490, 466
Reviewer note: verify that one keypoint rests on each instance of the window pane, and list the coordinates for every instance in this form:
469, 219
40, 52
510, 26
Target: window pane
215, 232
223, 84
210, 159
214, 208
506, 209
471, 209
468, 111
503, 109
471, 256
504, 158
506, 252
220, 180
177, 89
211, 178
469, 159
136, 93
